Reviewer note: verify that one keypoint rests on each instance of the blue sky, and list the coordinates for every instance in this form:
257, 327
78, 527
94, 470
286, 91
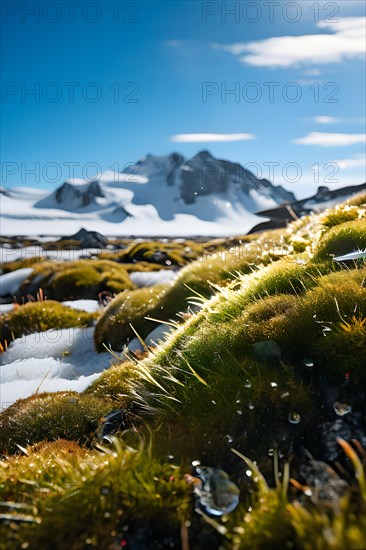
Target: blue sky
154, 77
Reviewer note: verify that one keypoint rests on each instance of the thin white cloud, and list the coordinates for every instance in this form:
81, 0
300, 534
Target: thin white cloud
312, 72
324, 139
347, 41
349, 164
199, 138
323, 119
326, 119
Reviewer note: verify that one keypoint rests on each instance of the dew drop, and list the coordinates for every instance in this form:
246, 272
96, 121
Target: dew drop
270, 452
342, 408
239, 411
251, 406
196, 463
249, 473
308, 362
229, 438
273, 385
294, 418
248, 384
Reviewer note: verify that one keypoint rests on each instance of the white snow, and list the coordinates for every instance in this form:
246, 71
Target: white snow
4, 308
86, 305
151, 278
10, 282
54, 360
155, 207
152, 339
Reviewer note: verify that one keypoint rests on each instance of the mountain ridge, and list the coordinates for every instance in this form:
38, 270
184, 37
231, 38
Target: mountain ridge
157, 195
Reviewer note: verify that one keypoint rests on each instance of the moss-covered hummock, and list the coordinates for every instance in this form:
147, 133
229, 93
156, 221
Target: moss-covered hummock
51, 416
40, 316
82, 279
195, 282
270, 364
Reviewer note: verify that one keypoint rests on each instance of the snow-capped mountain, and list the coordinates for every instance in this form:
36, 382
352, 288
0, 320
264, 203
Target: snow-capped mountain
167, 195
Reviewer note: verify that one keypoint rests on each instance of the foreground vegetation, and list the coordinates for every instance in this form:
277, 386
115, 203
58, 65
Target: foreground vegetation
265, 359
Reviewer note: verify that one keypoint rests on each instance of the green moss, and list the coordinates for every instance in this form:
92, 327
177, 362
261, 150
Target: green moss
340, 240
124, 496
51, 416
113, 383
40, 316
205, 390
113, 328
160, 252
164, 302
79, 279
341, 214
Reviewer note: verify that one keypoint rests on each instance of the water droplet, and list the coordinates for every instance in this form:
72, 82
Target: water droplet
213, 402
248, 384
239, 411
196, 463
237, 401
308, 362
249, 473
270, 452
342, 408
294, 418
229, 438
251, 406
284, 395
273, 385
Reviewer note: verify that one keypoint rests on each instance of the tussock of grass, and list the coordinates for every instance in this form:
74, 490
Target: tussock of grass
117, 497
278, 521
40, 316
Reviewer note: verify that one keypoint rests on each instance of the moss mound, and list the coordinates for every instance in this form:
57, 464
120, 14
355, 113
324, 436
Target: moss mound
51, 416
40, 316
342, 239
74, 280
178, 253
195, 282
